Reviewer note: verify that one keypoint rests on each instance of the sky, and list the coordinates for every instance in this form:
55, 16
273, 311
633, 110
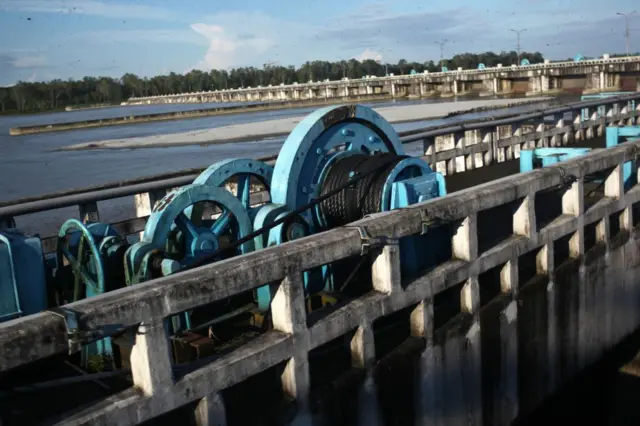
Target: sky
49, 39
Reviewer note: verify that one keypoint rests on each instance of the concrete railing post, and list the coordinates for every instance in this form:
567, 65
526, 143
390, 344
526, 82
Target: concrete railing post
289, 316
89, 212
507, 396
385, 268
210, 411
486, 136
145, 202
151, 361
363, 357
524, 219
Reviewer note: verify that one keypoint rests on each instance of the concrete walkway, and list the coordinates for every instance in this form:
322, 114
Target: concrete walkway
279, 127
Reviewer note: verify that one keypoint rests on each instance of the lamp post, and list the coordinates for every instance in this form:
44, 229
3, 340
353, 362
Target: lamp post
626, 27
518, 34
441, 43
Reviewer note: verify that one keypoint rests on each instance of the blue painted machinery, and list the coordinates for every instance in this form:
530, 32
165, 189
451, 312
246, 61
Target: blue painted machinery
348, 150
87, 262
23, 284
531, 159
338, 165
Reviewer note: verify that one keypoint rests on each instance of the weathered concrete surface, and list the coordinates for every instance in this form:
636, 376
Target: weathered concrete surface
271, 128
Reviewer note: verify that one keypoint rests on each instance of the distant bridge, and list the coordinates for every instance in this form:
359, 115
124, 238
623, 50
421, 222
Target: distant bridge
588, 76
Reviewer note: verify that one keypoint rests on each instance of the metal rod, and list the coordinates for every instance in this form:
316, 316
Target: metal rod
64, 381
626, 32
441, 43
518, 33
81, 371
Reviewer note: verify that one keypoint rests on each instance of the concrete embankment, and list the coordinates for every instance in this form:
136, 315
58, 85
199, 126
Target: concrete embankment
281, 127
177, 115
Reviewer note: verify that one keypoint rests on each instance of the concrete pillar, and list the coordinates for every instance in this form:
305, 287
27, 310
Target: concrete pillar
311, 94
326, 92
455, 87
151, 359
210, 411
363, 356
289, 316
346, 91
369, 89
436, 403
544, 83
422, 89
534, 84
393, 90
144, 202
495, 86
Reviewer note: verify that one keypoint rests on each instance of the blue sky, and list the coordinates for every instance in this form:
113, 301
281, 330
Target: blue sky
46, 39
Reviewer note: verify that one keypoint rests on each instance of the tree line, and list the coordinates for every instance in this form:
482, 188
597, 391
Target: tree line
24, 97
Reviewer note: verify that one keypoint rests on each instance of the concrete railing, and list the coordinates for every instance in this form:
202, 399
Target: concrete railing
471, 146
537, 303
450, 150
487, 70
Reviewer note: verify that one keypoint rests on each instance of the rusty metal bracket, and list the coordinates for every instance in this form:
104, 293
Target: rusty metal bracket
71, 323
368, 242
77, 337
427, 222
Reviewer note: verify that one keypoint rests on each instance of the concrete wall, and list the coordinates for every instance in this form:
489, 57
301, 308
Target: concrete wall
534, 303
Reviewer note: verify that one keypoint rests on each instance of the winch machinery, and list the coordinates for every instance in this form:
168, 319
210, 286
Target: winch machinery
338, 165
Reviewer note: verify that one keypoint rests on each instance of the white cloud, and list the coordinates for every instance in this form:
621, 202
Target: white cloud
235, 37
369, 54
221, 51
88, 7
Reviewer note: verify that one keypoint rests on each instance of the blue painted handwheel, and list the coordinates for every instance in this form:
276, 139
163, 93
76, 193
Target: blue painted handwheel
241, 171
199, 240
316, 140
72, 237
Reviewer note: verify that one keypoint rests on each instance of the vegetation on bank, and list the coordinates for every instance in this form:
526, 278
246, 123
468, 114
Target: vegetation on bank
57, 94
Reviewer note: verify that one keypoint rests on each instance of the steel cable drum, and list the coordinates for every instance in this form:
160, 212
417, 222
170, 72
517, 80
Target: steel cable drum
318, 139
365, 196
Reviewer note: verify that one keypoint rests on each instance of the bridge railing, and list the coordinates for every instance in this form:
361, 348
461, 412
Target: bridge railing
505, 69
450, 150
605, 308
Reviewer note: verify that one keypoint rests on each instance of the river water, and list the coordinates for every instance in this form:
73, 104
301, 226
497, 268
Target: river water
30, 166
